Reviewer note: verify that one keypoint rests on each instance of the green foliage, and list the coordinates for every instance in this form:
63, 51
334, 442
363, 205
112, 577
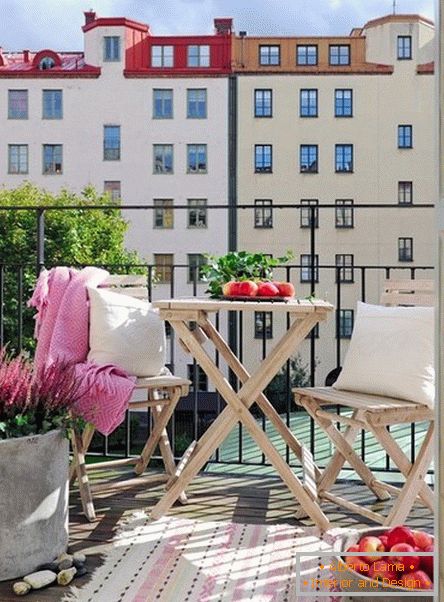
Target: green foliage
278, 389
72, 237
239, 265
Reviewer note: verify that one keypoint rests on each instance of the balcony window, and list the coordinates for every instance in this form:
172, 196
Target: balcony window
113, 188
197, 158
196, 375
52, 159
198, 56
163, 265
263, 325
307, 54
111, 48
344, 158
52, 104
263, 158
405, 249
18, 159
307, 268
405, 136
17, 104
405, 193
197, 213
307, 213
345, 273
308, 158
404, 48
308, 103
346, 320
163, 214
163, 158
344, 213
111, 143
343, 103
263, 103
195, 262
263, 213
197, 103
162, 104
339, 54
269, 55
162, 56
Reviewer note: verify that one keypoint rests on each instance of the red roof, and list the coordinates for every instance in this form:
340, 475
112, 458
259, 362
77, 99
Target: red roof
22, 64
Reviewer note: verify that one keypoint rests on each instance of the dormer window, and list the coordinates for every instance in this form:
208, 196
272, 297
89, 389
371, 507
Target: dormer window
404, 48
111, 48
198, 56
47, 62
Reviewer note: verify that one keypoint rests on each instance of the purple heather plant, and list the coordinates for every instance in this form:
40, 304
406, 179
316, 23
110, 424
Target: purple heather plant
34, 401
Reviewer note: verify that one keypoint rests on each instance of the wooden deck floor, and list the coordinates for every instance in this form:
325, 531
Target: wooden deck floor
246, 499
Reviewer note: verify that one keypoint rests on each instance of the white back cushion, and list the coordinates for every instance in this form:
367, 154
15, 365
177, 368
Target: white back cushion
391, 353
126, 332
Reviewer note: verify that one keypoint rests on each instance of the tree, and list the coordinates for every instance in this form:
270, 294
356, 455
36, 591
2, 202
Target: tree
73, 237
283, 382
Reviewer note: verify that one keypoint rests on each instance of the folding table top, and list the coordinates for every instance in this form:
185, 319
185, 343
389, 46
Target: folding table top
208, 305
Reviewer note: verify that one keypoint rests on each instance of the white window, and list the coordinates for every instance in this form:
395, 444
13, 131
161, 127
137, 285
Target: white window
17, 104
163, 158
198, 56
197, 213
197, 158
111, 48
52, 104
52, 159
18, 158
162, 56
163, 214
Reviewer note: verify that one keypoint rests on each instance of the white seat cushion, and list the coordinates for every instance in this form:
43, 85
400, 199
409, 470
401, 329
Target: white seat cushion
126, 332
391, 353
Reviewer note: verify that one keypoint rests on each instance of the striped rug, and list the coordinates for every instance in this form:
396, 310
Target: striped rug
183, 560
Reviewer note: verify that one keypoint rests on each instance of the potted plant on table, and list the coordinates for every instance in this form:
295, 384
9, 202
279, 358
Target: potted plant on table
35, 415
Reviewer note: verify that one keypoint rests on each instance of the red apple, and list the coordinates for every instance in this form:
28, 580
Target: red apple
247, 288
233, 289
267, 289
382, 569
384, 541
411, 563
416, 580
422, 539
286, 289
369, 544
400, 535
227, 288
427, 562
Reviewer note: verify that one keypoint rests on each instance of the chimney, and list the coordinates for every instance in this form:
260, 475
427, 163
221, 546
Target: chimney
26, 56
90, 16
223, 26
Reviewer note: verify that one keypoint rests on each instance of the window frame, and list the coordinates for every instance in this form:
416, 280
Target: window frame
191, 268
342, 320
108, 155
201, 205
404, 192
266, 168
339, 47
265, 330
21, 114
305, 214
402, 48
197, 102
342, 101
164, 115
163, 172
163, 209
306, 46
256, 113
197, 147
162, 56
199, 56
163, 271
113, 188
263, 209
402, 137
343, 147
113, 59
53, 115
309, 170
19, 147
403, 256
309, 92
269, 54
343, 205
346, 272
307, 279
54, 147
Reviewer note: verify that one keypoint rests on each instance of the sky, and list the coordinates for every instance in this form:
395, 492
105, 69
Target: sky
56, 24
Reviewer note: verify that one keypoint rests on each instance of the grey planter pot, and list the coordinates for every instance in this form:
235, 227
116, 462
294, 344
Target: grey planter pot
33, 502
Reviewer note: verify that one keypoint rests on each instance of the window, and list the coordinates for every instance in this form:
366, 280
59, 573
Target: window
195, 262
197, 213
306, 268
405, 136
18, 158
47, 62
308, 158
113, 188
308, 103
344, 214
197, 103
52, 159
17, 104
405, 249
52, 104
163, 158
162, 104
111, 48
198, 56
346, 319
269, 55
162, 56
340, 54
307, 55
163, 213
344, 158
263, 324
307, 213
263, 213
404, 48
111, 142
163, 265
263, 158
263, 100
345, 273
343, 103
196, 373
197, 158
405, 193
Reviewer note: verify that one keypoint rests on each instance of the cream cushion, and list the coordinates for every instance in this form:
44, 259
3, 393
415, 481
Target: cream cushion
126, 332
391, 353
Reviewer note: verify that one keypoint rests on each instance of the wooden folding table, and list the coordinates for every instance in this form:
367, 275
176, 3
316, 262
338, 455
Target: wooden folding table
191, 322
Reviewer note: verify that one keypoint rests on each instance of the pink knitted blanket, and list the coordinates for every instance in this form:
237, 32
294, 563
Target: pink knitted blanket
62, 332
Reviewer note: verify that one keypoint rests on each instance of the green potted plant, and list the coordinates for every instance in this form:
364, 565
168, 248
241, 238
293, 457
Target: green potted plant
35, 415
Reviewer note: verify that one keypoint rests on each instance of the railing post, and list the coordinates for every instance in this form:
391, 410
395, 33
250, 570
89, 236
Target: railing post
40, 251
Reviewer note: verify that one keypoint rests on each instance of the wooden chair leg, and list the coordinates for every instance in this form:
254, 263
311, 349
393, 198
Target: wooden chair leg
84, 486
87, 435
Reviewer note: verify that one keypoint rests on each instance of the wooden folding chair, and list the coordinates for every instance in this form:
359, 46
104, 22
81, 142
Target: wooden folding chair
162, 396
375, 414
